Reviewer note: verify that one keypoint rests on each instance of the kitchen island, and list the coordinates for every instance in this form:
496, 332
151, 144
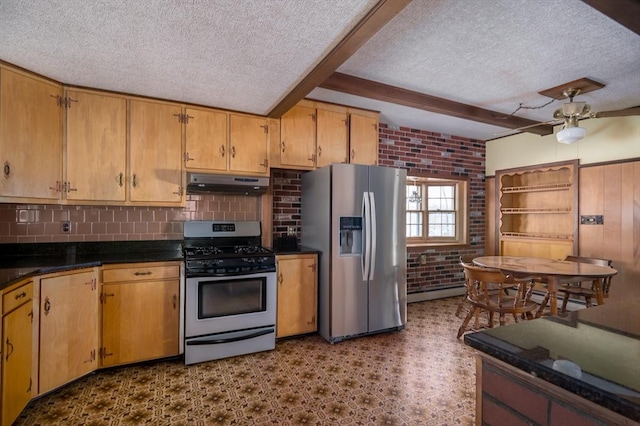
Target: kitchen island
580, 367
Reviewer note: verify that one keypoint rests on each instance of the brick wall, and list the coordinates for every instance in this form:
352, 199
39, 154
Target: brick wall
38, 223
417, 151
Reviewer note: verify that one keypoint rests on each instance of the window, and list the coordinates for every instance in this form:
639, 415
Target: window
436, 211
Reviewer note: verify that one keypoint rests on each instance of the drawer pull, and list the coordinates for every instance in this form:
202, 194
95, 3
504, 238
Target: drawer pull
21, 295
137, 274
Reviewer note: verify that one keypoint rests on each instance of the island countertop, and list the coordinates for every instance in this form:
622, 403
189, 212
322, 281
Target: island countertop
593, 353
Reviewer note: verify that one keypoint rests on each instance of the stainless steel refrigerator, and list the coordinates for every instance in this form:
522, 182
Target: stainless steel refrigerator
355, 216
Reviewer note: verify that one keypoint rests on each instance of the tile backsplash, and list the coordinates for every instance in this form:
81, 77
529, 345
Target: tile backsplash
40, 223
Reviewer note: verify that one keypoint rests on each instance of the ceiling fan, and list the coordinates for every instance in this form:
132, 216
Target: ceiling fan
572, 112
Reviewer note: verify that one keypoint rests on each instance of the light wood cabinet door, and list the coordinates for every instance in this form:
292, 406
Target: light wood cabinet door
140, 321
248, 144
332, 133
298, 137
68, 328
207, 139
30, 137
96, 142
297, 294
16, 363
363, 140
155, 153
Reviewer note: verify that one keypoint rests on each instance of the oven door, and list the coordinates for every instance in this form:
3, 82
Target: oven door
224, 304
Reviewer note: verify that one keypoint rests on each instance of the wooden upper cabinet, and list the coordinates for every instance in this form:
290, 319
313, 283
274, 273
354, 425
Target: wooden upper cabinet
332, 133
248, 144
30, 137
155, 169
207, 137
363, 139
96, 142
298, 137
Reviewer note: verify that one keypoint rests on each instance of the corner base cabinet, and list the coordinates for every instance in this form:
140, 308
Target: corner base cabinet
297, 294
17, 336
140, 312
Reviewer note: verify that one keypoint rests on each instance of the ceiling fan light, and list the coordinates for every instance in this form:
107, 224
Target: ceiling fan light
570, 135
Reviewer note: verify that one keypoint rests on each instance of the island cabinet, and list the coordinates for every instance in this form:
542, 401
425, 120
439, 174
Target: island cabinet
30, 138
96, 147
140, 312
17, 350
69, 327
155, 150
538, 210
297, 294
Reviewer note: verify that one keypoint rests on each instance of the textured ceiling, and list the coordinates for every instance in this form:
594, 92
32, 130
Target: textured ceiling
247, 55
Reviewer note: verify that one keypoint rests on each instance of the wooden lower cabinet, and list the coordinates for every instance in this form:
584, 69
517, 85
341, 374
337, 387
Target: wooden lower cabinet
297, 294
140, 312
17, 351
69, 331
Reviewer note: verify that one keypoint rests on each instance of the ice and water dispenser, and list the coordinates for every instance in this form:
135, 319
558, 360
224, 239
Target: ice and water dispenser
350, 235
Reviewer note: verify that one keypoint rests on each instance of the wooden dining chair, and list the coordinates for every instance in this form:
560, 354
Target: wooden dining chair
490, 291
586, 289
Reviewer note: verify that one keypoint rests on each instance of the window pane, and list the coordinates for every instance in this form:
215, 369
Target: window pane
442, 224
414, 224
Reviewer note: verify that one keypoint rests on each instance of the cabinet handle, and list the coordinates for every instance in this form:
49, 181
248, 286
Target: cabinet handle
283, 147
137, 274
58, 187
280, 279
175, 301
233, 152
121, 179
134, 183
313, 116
313, 267
103, 297
187, 158
103, 353
221, 150
9, 346
30, 384
319, 151
67, 187
265, 164
47, 306
179, 191
20, 295
353, 154
7, 169
312, 158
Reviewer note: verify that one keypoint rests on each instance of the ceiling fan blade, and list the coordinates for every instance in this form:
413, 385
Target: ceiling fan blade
617, 113
552, 122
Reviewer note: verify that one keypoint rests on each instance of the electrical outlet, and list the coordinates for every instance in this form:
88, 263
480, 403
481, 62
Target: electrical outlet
65, 227
423, 259
291, 230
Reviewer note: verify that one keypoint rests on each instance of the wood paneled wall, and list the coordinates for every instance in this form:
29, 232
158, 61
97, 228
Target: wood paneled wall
613, 191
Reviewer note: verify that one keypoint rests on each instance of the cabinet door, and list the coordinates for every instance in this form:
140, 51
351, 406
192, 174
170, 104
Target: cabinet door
332, 138
96, 147
363, 140
30, 137
68, 328
156, 153
206, 141
16, 362
248, 144
298, 137
140, 321
297, 295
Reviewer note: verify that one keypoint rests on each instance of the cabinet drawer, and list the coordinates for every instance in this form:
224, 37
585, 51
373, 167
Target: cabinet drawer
140, 273
16, 297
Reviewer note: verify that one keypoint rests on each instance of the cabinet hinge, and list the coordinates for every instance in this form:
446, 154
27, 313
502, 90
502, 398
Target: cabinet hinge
67, 102
59, 100
265, 128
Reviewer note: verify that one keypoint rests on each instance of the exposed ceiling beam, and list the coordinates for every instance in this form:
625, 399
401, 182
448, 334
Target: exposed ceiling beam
377, 18
397, 95
624, 12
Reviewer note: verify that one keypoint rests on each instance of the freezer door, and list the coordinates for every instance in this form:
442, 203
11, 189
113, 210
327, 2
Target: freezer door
349, 290
388, 283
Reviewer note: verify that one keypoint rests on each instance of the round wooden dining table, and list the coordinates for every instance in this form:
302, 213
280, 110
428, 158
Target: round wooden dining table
553, 272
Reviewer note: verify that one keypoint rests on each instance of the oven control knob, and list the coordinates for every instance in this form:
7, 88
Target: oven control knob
249, 259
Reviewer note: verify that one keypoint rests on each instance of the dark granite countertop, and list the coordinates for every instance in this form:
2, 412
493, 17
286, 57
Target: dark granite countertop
593, 353
18, 261
296, 250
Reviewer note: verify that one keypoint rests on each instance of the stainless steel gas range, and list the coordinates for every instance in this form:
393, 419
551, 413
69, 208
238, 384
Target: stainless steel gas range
230, 292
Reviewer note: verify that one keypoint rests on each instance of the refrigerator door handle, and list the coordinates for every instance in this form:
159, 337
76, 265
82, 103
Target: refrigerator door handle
366, 255
372, 226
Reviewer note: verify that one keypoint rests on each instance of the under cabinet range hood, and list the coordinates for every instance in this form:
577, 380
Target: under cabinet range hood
199, 183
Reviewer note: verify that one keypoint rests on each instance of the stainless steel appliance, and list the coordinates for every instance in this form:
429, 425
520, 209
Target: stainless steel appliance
355, 216
203, 183
230, 292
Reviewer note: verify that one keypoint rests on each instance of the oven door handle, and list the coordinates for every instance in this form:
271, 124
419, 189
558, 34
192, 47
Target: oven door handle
230, 339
